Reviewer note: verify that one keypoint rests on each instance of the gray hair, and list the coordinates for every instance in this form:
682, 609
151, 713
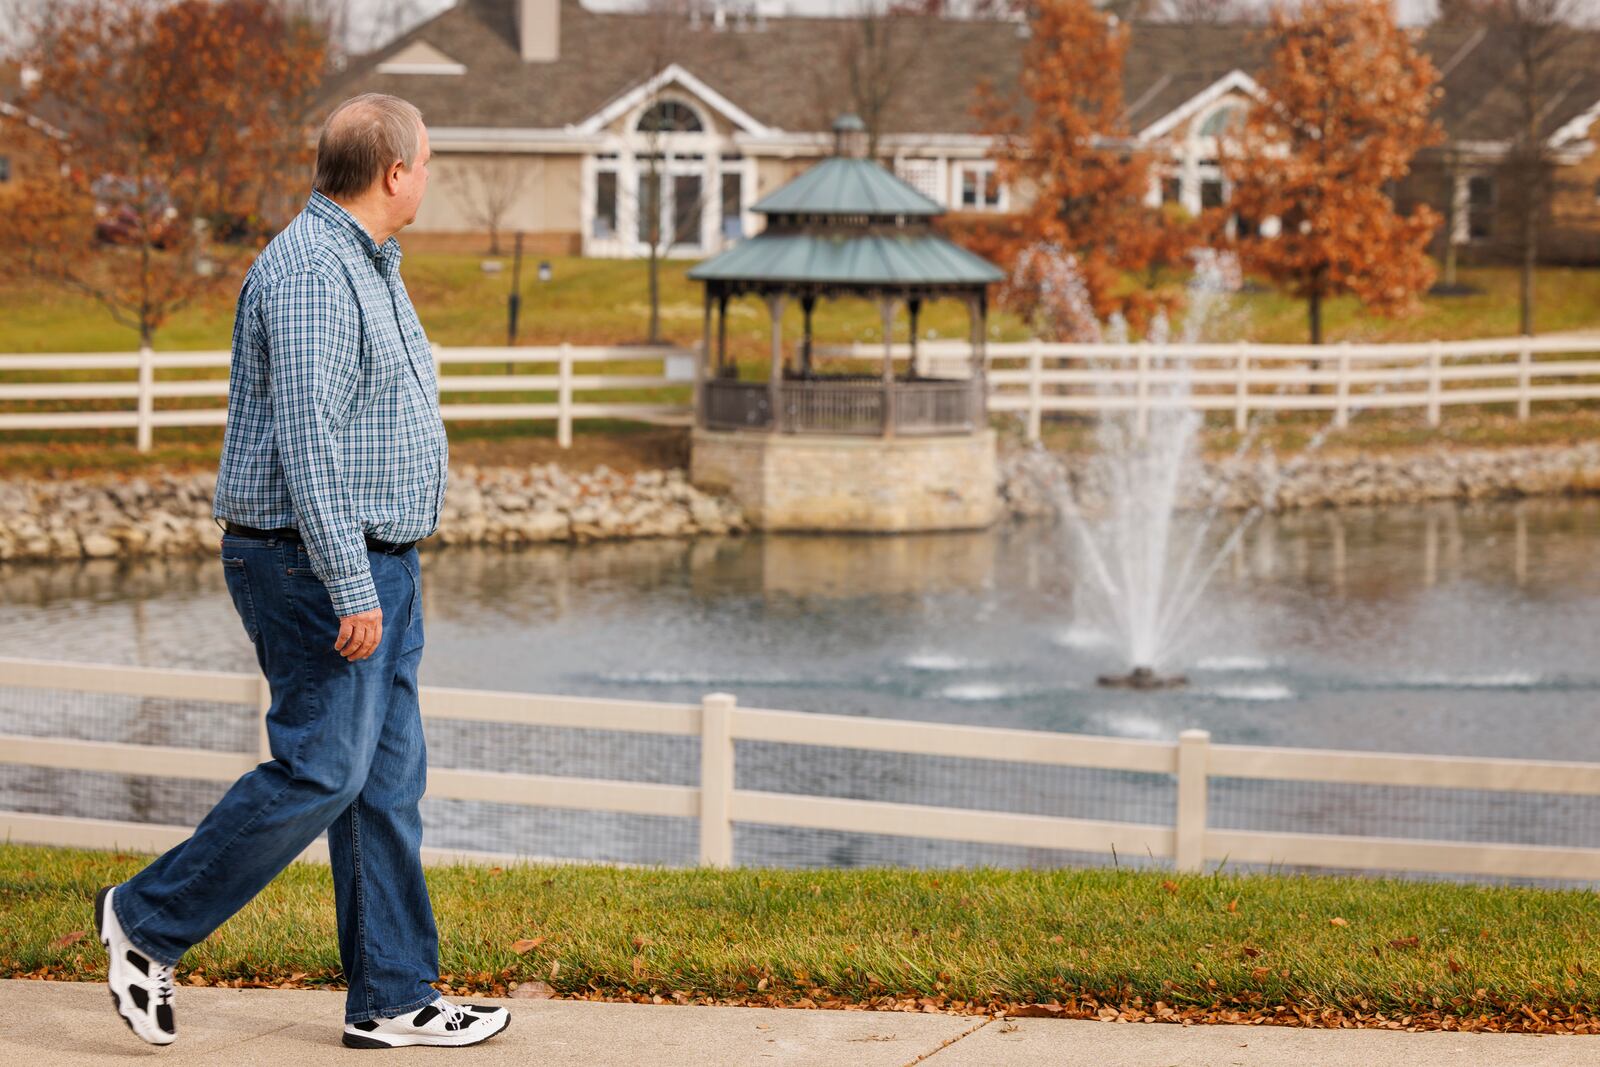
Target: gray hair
364, 137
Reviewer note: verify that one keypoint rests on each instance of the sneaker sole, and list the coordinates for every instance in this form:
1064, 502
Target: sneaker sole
116, 1001
401, 1041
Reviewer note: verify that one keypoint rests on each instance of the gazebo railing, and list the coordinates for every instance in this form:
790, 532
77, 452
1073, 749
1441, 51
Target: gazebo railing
852, 407
736, 405
935, 407
832, 407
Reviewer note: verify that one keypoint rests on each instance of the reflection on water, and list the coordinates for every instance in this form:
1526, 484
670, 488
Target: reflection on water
1449, 629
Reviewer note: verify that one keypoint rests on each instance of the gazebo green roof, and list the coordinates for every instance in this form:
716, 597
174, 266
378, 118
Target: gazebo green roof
847, 223
841, 185
849, 259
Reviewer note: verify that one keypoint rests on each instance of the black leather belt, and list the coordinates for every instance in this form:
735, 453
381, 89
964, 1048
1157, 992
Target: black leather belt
289, 533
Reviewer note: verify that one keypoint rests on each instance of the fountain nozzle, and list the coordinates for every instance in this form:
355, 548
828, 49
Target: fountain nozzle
1142, 678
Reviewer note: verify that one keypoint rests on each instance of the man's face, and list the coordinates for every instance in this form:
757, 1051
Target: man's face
411, 182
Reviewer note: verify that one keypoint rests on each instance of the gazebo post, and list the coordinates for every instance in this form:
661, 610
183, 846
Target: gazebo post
980, 358
808, 304
701, 359
886, 308
913, 305
775, 302
722, 331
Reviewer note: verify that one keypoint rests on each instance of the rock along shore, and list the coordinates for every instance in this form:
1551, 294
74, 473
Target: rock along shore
169, 514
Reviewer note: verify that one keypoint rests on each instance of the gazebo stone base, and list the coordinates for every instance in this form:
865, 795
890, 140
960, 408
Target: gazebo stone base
809, 482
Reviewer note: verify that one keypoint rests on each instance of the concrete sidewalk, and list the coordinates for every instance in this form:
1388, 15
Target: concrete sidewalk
46, 1024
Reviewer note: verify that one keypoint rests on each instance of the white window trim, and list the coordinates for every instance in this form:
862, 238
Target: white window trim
958, 172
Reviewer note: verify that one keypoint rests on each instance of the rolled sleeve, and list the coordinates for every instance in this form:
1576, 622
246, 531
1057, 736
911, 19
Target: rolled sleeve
312, 328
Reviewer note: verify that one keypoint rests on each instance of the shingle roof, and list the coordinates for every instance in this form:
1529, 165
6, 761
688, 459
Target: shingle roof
784, 76
787, 75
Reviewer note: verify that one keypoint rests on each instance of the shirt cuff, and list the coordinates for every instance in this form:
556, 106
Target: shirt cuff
353, 594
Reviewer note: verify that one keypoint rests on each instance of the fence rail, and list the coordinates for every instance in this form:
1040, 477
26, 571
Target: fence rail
567, 370
1028, 378
717, 721
1033, 378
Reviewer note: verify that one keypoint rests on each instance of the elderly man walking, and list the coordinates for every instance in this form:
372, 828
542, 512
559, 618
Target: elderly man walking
333, 465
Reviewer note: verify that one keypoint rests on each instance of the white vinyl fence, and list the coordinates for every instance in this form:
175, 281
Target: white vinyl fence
1033, 378
1193, 762
1029, 378
564, 370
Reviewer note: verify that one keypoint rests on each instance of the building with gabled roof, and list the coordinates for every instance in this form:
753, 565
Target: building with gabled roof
733, 106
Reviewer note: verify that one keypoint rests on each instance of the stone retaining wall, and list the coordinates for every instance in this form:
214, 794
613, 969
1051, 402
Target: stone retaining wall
1333, 479
168, 514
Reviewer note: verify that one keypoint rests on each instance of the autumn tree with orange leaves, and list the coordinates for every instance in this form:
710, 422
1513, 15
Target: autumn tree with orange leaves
171, 142
1346, 104
1064, 142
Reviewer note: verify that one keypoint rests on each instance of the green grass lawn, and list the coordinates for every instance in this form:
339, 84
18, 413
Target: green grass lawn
604, 301
1467, 956
597, 301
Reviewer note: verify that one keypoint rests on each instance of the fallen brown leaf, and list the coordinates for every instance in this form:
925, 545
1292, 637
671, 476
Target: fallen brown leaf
533, 991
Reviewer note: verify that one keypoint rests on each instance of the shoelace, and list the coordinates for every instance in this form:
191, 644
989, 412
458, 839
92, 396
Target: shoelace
163, 982
456, 1016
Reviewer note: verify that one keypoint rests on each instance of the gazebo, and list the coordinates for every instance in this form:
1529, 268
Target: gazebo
846, 227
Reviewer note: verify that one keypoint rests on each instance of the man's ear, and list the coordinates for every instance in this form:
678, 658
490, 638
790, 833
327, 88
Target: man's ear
391, 177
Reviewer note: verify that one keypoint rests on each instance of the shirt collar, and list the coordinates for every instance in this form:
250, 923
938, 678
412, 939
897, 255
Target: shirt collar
331, 211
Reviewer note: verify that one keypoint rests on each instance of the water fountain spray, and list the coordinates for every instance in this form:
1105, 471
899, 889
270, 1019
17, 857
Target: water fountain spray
1141, 557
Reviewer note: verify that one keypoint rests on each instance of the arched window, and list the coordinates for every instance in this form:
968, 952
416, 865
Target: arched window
669, 116
1222, 120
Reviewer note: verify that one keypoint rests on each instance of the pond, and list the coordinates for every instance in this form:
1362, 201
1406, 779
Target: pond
1454, 629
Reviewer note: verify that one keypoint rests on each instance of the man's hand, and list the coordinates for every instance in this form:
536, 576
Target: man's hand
359, 634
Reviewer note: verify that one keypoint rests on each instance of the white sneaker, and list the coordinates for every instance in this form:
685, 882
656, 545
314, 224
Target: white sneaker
436, 1023
141, 988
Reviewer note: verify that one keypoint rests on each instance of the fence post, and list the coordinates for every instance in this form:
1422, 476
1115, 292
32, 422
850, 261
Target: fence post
1241, 387
1035, 391
1190, 845
1142, 389
147, 398
263, 705
1435, 386
564, 396
1524, 381
1341, 404
716, 780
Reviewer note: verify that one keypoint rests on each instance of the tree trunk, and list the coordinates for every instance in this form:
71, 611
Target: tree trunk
1452, 220
1530, 255
655, 294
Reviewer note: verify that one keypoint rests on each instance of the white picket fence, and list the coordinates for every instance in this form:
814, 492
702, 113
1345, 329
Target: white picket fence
716, 805
559, 373
1028, 378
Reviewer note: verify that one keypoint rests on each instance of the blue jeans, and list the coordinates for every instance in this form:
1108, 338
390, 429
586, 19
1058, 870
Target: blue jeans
348, 756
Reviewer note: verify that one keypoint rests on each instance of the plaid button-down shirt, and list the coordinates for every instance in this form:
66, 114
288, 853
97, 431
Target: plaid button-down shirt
333, 407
